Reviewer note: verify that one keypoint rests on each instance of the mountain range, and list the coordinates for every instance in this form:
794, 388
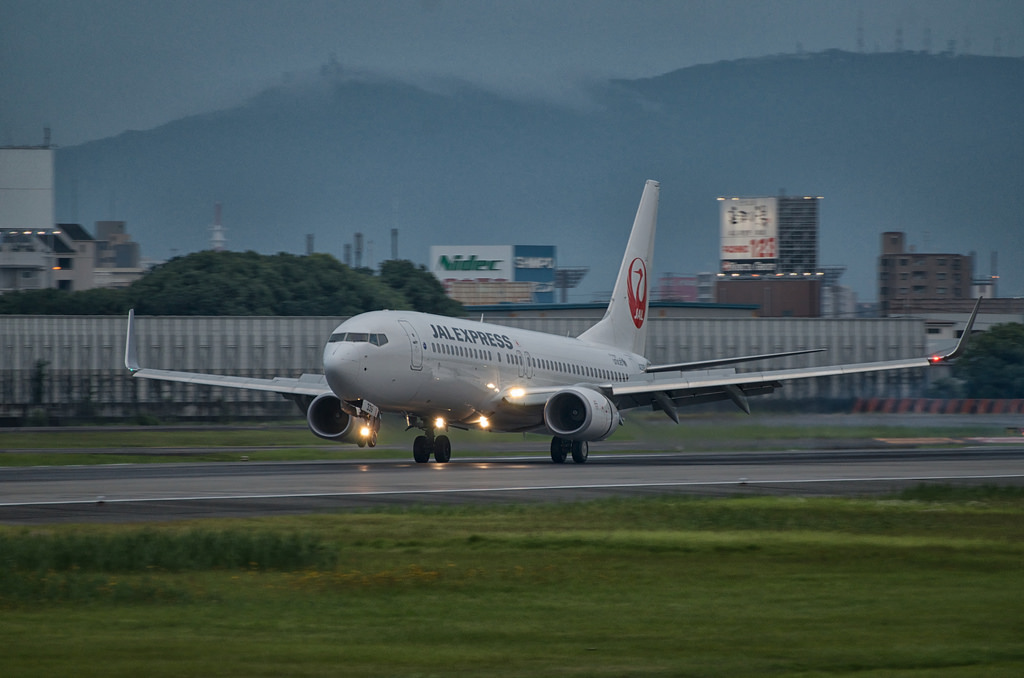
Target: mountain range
929, 144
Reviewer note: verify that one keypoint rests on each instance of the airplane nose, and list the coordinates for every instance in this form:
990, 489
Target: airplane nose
342, 367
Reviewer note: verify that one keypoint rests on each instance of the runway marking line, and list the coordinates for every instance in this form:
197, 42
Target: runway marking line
603, 486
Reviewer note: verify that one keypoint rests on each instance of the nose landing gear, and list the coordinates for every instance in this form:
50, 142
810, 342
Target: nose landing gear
368, 432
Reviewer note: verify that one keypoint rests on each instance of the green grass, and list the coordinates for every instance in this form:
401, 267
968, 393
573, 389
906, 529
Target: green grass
295, 443
141, 437
927, 583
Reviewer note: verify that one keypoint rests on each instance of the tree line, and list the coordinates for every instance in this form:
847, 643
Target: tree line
248, 283
992, 366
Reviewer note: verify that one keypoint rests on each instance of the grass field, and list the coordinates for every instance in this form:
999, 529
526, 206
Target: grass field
296, 443
929, 583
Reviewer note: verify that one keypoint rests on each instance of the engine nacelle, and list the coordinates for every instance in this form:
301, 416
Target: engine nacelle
578, 413
327, 420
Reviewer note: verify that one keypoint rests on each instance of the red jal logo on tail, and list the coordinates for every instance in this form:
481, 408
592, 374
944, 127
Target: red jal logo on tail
636, 291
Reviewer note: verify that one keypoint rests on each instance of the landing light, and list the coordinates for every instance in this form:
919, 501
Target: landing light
440, 423
484, 423
516, 392
365, 431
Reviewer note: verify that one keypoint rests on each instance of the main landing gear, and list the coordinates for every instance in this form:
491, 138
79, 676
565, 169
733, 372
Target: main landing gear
430, 444
562, 448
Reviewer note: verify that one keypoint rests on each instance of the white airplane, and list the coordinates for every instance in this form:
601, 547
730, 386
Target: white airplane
443, 372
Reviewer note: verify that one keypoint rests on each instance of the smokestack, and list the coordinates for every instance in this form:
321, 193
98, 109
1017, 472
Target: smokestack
346, 255
394, 243
995, 272
309, 244
359, 250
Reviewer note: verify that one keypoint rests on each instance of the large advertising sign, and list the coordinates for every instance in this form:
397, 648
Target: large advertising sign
498, 263
536, 264
481, 262
750, 242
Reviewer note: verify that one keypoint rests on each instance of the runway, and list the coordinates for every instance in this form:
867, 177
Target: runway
159, 492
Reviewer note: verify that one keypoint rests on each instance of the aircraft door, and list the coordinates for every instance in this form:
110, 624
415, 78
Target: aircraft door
416, 361
521, 363
527, 365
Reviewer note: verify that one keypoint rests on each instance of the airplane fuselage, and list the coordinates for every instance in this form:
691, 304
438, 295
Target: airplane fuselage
461, 370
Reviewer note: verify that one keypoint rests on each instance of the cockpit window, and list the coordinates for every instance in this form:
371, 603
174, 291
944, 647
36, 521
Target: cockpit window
377, 338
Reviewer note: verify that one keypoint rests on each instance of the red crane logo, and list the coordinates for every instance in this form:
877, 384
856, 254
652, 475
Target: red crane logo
636, 291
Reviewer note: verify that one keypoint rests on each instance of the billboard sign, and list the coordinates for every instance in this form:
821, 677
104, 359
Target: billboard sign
749, 235
468, 262
536, 264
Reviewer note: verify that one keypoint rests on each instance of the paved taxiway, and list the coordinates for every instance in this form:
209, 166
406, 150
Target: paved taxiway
134, 492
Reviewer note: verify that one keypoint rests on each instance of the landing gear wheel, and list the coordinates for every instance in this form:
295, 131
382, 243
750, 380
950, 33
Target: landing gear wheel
580, 451
372, 440
421, 449
559, 450
442, 449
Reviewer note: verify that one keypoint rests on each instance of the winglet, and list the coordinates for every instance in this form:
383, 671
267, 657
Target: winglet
962, 344
131, 355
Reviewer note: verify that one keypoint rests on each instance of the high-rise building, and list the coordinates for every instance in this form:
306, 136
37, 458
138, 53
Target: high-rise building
910, 281
769, 254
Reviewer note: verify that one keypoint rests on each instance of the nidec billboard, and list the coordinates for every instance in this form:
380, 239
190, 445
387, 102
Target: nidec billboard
749, 230
498, 263
468, 262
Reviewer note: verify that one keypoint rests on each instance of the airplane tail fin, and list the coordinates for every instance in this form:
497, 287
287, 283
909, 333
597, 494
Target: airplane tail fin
624, 325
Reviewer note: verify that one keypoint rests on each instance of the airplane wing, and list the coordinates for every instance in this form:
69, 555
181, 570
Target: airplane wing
304, 385
716, 362
669, 392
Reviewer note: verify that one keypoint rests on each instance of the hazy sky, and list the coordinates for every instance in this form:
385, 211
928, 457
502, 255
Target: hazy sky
94, 68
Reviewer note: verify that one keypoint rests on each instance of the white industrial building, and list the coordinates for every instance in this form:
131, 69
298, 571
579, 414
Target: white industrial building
68, 366
36, 253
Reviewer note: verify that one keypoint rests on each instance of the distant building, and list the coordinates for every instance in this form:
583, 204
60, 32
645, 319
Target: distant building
674, 287
911, 282
67, 258
776, 298
930, 284
76, 259
35, 254
769, 257
118, 258
27, 232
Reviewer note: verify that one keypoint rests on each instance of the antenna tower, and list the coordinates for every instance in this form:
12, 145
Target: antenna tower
217, 239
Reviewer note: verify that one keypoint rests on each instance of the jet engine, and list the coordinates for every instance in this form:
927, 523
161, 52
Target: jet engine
578, 413
327, 420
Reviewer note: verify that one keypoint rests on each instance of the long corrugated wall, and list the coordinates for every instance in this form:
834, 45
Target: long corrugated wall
73, 365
